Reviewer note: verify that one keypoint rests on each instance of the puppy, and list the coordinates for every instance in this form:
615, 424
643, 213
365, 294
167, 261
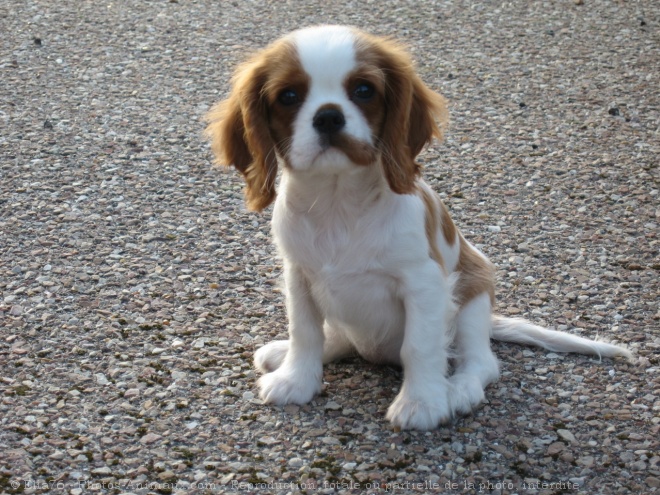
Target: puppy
373, 263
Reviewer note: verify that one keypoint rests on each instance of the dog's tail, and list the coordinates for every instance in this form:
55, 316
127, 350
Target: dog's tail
523, 332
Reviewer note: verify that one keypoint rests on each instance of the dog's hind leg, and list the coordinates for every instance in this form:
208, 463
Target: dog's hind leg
476, 365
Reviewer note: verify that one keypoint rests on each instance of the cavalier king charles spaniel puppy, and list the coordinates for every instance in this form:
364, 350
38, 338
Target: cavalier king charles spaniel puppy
373, 264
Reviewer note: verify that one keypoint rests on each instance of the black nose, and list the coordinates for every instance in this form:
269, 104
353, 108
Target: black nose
328, 121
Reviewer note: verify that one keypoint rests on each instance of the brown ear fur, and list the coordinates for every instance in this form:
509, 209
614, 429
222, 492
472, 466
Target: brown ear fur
410, 123
239, 133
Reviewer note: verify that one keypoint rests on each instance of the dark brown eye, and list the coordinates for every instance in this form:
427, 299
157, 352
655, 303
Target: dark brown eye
288, 97
363, 92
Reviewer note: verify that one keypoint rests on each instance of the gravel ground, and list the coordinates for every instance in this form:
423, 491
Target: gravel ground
135, 287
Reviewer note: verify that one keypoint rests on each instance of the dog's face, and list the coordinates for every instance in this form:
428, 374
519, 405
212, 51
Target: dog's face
327, 111
325, 99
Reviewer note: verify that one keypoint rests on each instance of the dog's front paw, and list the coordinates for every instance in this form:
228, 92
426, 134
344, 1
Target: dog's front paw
290, 386
419, 411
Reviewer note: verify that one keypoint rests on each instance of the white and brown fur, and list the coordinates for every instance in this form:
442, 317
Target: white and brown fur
373, 263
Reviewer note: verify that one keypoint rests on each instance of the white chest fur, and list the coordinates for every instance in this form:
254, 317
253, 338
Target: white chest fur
352, 237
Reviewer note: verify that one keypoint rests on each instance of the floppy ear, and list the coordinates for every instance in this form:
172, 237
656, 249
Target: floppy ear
410, 122
428, 109
239, 133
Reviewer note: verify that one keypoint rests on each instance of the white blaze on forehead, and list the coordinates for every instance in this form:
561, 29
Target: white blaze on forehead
327, 53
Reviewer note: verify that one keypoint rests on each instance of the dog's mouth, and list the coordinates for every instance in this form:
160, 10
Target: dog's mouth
357, 151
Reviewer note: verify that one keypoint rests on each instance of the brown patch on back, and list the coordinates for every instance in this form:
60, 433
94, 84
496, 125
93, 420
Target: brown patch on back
477, 274
431, 221
449, 230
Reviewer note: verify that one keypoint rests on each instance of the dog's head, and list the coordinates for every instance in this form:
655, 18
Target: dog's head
325, 98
